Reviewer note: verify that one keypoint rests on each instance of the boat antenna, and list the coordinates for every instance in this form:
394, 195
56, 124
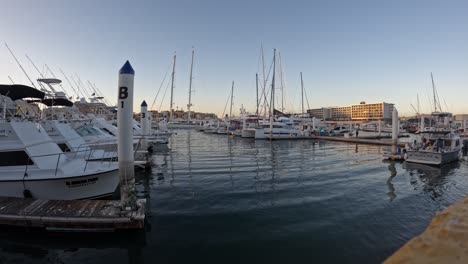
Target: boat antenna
19, 64
11, 80
190, 88
172, 90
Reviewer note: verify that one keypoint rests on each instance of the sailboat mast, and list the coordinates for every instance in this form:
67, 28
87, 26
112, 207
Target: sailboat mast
172, 90
190, 88
434, 93
264, 84
256, 85
272, 103
282, 82
232, 93
302, 94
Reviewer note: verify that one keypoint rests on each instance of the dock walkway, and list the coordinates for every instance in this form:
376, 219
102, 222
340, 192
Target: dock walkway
70, 215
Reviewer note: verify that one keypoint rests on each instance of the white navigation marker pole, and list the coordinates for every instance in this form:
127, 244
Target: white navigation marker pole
125, 136
144, 124
395, 130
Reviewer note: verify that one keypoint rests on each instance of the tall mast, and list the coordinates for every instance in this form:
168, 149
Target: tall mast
264, 84
19, 64
172, 90
302, 93
256, 85
272, 103
434, 93
282, 82
190, 88
232, 94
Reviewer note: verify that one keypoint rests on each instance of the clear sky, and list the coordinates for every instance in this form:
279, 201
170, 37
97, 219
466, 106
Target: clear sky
348, 51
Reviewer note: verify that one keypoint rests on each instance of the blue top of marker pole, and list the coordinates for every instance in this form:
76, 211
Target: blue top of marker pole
144, 103
127, 69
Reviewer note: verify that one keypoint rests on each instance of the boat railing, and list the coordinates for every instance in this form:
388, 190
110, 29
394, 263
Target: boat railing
72, 155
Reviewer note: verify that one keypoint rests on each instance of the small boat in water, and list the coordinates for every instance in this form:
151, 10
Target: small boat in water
436, 148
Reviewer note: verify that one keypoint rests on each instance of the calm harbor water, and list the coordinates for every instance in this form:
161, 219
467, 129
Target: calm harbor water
219, 199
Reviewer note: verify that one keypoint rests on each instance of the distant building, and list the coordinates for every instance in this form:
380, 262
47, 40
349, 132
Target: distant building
358, 112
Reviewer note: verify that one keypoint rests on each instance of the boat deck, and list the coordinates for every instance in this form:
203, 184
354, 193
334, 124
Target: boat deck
70, 215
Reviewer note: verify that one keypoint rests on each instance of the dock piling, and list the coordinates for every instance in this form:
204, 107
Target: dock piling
125, 137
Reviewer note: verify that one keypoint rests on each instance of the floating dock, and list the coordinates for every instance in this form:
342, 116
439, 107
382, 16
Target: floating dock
358, 140
444, 241
70, 215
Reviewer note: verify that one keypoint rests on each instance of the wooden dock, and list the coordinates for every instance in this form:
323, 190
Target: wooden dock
70, 215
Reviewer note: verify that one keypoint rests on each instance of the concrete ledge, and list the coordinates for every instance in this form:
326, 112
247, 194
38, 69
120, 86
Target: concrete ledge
445, 240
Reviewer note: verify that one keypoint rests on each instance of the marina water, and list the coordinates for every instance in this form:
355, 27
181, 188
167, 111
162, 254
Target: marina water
220, 199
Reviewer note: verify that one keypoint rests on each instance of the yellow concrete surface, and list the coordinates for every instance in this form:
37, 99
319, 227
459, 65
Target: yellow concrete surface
445, 240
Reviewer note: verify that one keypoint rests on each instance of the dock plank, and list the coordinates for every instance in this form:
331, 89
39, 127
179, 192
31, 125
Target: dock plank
94, 215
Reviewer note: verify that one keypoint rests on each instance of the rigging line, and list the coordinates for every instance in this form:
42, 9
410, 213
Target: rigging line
229, 97
164, 95
160, 86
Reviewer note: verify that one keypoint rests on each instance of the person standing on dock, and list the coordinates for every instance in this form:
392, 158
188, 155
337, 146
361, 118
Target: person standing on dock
357, 131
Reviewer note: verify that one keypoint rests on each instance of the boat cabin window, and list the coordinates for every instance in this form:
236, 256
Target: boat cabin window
107, 131
87, 131
277, 126
15, 158
64, 147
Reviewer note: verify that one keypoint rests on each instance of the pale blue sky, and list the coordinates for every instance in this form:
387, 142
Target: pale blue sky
348, 51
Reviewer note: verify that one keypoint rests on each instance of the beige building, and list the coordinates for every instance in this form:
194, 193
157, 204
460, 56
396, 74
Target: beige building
358, 112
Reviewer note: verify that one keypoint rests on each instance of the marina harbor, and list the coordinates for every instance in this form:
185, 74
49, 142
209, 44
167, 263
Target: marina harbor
233, 132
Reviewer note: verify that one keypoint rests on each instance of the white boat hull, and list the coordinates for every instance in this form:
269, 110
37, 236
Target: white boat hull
67, 188
432, 158
248, 133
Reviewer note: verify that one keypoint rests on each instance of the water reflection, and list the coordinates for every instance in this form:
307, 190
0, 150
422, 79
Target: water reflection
391, 189
433, 179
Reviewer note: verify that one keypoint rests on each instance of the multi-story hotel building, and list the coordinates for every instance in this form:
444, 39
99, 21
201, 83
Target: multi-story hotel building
358, 112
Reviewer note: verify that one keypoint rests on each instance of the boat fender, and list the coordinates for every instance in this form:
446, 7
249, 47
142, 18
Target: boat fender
27, 193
